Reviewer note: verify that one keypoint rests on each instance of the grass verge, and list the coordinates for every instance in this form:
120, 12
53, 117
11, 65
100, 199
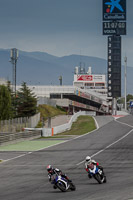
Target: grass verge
84, 124
50, 111
47, 111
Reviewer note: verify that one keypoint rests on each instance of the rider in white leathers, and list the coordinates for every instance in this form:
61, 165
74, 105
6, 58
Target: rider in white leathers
89, 161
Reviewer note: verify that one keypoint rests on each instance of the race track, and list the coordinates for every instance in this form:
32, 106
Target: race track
25, 177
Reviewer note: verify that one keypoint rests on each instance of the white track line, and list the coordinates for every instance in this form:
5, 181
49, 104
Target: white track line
51, 145
31, 152
45, 147
124, 123
96, 123
71, 140
111, 143
16, 157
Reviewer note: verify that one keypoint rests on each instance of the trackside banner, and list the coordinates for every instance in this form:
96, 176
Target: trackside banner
114, 10
89, 78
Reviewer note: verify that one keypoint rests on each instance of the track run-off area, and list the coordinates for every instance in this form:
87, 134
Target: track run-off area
23, 174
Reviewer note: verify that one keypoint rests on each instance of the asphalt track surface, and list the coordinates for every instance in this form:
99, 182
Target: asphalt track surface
25, 177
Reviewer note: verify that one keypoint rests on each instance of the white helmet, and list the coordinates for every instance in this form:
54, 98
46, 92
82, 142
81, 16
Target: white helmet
88, 159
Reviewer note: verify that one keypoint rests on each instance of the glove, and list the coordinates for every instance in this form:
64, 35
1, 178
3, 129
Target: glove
87, 169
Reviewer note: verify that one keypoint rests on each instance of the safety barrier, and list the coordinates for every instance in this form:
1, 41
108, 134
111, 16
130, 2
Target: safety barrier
64, 127
13, 137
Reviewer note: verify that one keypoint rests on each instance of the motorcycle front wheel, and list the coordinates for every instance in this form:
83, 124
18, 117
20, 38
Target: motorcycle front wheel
105, 179
72, 186
61, 186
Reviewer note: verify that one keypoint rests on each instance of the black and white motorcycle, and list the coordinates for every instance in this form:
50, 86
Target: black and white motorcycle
61, 183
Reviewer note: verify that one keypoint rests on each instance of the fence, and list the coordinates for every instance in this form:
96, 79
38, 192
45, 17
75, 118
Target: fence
17, 124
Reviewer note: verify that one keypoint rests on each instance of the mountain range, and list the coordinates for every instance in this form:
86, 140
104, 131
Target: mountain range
40, 68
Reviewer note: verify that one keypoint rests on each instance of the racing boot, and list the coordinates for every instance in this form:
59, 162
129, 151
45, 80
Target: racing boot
89, 175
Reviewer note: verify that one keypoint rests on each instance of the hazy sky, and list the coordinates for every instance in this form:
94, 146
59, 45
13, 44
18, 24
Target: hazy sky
59, 27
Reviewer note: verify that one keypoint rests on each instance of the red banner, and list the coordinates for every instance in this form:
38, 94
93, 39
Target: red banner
84, 77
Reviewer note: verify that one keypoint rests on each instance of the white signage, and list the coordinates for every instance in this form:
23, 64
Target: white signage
89, 78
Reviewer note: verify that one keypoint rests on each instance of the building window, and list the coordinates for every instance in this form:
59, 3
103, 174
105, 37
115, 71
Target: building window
100, 84
55, 96
89, 84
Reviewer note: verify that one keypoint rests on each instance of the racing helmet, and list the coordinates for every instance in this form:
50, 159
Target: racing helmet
49, 169
88, 159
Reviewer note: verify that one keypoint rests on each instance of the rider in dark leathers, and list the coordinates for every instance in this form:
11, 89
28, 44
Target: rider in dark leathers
52, 171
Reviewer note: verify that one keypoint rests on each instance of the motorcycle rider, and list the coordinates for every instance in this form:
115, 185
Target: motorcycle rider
52, 171
88, 162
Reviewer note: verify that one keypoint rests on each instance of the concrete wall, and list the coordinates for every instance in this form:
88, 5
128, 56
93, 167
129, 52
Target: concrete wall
47, 101
34, 120
63, 102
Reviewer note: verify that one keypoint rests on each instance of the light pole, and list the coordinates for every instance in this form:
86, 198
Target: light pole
60, 79
125, 60
14, 57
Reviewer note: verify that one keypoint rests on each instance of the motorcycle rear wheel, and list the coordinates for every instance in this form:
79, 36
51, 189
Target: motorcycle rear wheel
98, 178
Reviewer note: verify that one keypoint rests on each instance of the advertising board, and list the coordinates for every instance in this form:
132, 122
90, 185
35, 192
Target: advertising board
89, 78
114, 10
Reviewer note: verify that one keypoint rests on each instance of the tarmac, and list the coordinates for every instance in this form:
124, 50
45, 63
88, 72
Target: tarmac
36, 144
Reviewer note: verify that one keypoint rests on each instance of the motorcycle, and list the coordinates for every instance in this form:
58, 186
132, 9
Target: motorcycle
97, 173
62, 184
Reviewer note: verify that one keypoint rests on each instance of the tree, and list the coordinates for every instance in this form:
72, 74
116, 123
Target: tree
13, 100
129, 97
26, 102
5, 103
